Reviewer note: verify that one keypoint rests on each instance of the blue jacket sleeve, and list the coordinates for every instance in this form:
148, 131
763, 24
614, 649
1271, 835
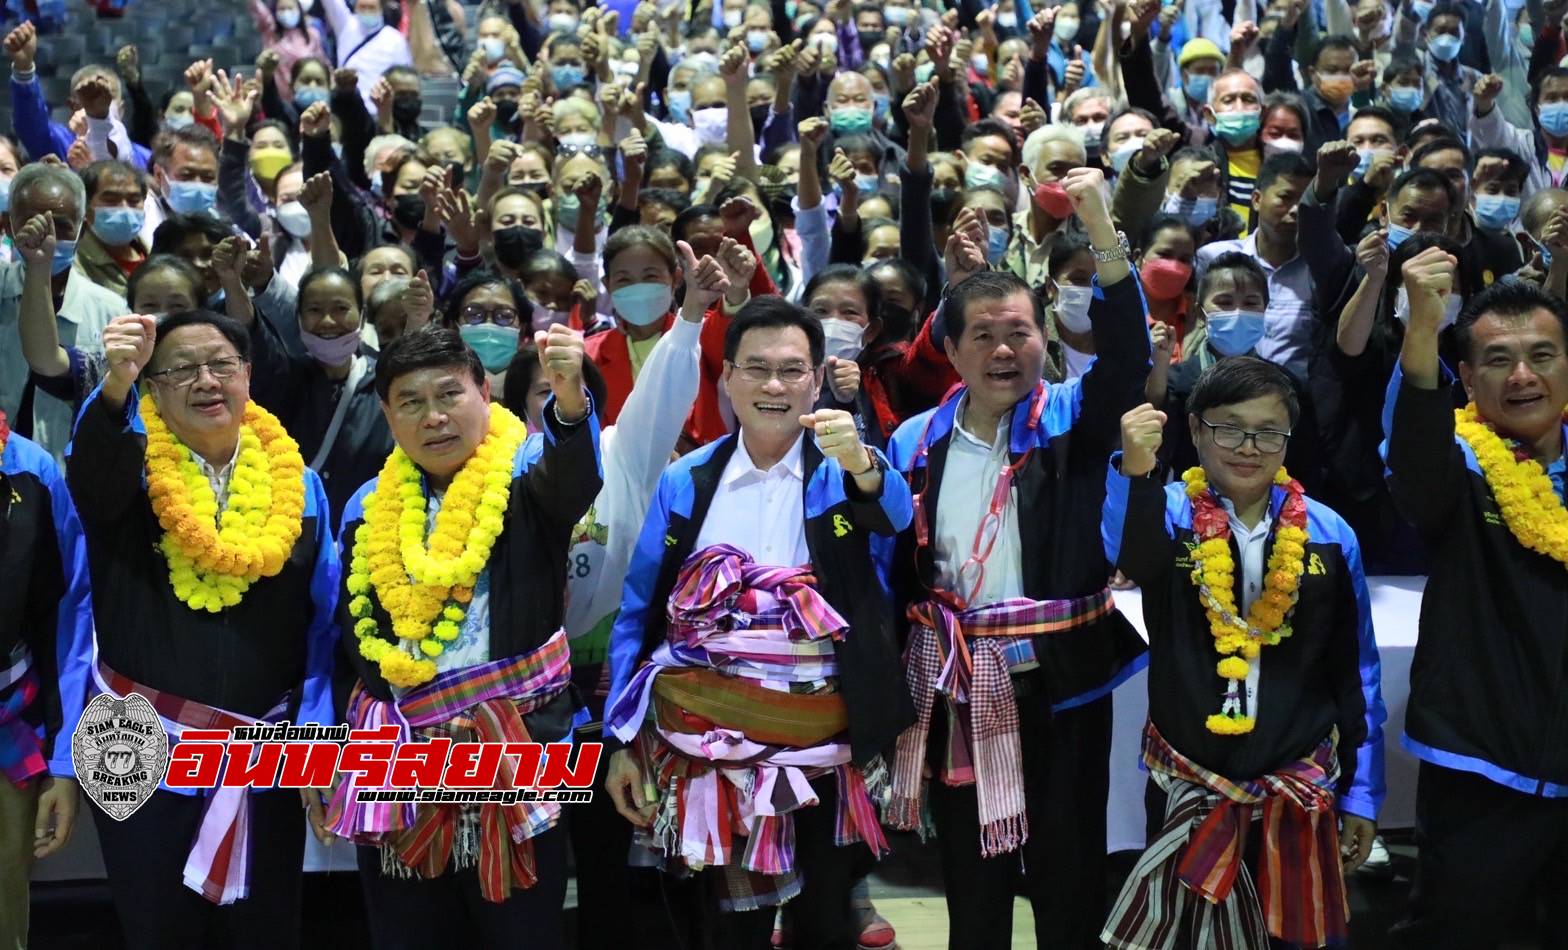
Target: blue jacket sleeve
1135, 525
642, 574
316, 699
74, 631
30, 119
891, 510
1369, 787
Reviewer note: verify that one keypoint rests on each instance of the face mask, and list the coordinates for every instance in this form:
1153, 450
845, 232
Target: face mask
307, 96
495, 346
981, 175
1282, 146
514, 244
1527, 36
868, 184
642, 304
293, 218
761, 231
64, 257
1496, 212
180, 120
1197, 86
850, 120
288, 19
1237, 128
756, 40
578, 139
192, 197
924, 72
266, 163
996, 242
545, 319
1423, 8
370, 22
567, 76
1336, 91
712, 125
732, 19
331, 350
568, 207
1164, 279
117, 226
505, 112
406, 109
826, 42
1007, 21
1053, 200
980, 62
1196, 213
408, 210
1091, 133
561, 23
1363, 164
1554, 118
1072, 307
898, 16
843, 338
1451, 308
1124, 153
337, 150
5, 195
1406, 98
1234, 332
1445, 46
1066, 29
1397, 235
679, 104
882, 104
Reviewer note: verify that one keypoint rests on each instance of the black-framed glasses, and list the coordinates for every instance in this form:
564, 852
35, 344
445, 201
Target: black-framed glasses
758, 374
1267, 441
221, 369
501, 316
568, 149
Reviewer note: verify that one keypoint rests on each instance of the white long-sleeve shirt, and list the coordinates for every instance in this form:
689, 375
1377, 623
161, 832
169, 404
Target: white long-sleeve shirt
369, 55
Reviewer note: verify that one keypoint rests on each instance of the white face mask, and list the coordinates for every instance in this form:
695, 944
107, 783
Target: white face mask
1451, 309
293, 218
1072, 307
844, 338
712, 125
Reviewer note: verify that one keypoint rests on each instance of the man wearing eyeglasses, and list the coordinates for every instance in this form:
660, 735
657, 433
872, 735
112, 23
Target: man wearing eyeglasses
1015, 645
177, 875
754, 673
1264, 704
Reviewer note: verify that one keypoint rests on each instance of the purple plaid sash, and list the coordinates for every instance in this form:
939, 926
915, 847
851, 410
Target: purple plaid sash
21, 750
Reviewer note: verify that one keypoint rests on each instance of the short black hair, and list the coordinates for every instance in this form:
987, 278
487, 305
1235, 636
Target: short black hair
1164, 222
546, 262
1105, 132
1509, 296
1556, 72
237, 335
170, 234
1380, 113
986, 285
427, 347
1233, 261
322, 273
1284, 165
1240, 378
1424, 179
1289, 102
1446, 8
158, 262
669, 158
847, 274
683, 221
94, 174
1517, 171
485, 277
303, 61
1067, 246
1400, 64
1333, 41
668, 197
1446, 143
912, 279
524, 368
774, 312
993, 127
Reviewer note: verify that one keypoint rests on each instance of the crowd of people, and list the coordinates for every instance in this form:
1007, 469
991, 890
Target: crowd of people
777, 393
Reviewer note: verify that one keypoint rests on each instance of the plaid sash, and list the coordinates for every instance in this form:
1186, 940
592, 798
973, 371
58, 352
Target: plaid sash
1299, 895
21, 750
218, 865
962, 655
494, 696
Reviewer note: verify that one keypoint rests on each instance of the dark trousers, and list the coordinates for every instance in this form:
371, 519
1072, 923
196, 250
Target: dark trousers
601, 840
145, 858
1066, 760
1485, 852
449, 911
820, 916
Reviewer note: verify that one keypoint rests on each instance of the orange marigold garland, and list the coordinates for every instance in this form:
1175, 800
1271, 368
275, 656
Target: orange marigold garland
1213, 572
1521, 487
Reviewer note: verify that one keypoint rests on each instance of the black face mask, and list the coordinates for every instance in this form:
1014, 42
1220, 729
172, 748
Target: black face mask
406, 109
514, 244
408, 211
759, 117
897, 323
506, 112
870, 38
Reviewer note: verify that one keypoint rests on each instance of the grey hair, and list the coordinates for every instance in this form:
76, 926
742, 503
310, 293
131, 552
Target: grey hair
384, 293
1052, 132
43, 174
1087, 94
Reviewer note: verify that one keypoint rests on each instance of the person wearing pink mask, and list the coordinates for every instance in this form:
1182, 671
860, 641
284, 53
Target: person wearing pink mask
1165, 269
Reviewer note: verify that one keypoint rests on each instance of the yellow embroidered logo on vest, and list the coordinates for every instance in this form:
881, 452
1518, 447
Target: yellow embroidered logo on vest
841, 526
669, 540
1315, 565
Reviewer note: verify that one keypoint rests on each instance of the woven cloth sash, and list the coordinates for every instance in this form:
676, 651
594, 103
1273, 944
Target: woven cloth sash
494, 696
1299, 895
218, 864
21, 750
690, 700
962, 655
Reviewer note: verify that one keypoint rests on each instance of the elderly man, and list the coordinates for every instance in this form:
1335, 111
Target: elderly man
1009, 480
490, 662
1050, 154
223, 617
1484, 486
53, 193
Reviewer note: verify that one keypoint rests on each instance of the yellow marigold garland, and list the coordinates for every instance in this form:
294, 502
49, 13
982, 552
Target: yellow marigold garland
1213, 572
214, 558
423, 584
1523, 490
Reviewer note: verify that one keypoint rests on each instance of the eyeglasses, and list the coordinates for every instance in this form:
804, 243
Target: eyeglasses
501, 317
1267, 441
759, 373
567, 150
225, 368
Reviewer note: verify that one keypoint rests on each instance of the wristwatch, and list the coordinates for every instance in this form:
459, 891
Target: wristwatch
875, 466
1118, 253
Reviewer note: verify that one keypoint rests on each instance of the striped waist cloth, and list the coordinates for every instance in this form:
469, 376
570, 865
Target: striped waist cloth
21, 748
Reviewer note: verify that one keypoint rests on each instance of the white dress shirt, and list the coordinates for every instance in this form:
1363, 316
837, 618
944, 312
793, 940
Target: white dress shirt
1250, 543
760, 512
968, 481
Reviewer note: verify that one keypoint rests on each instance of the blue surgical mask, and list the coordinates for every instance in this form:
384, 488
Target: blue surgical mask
1237, 128
64, 256
179, 120
1364, 164
789, 9
567, 76
996, 242
1406, 98
567, 208
288, 19
1527, 36
1235, 332
1444, 46
1496, 212
981, 175
494, 48
5, 195
1196, 213
1397, 235
1423, 8
1554, 118
307, 96
118, 226
1197, 86
495, 345
370, 22
868, 184
192, 197
850, 120
882, 105
924, 71
756, 40
1124, 152
642, 304
679, 103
